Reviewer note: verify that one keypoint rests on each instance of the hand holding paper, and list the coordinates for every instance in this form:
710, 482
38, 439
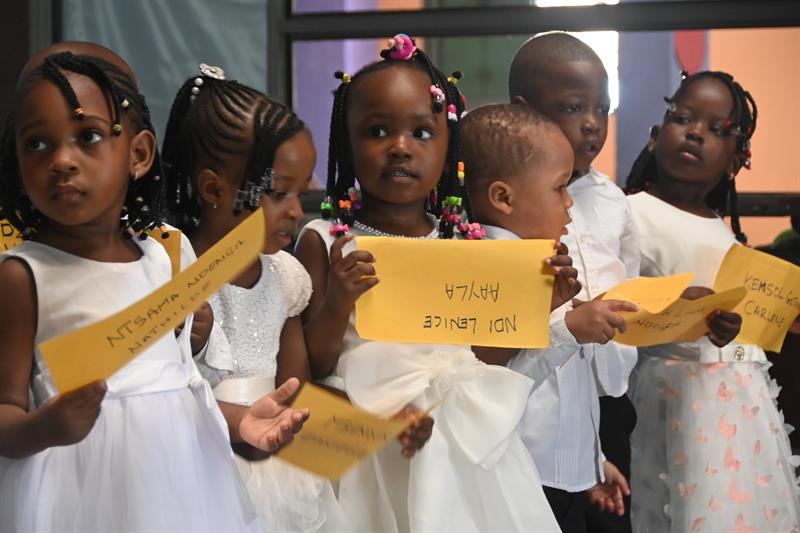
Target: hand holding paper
351, 276
338, 435
566, 285
418, 433
598, 320
269, 424
773, 294
68, 418
665, 317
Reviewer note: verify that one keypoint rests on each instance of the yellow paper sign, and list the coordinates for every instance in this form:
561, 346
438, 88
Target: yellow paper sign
9, 236
483, 293
337, 435
99, 350
773, 294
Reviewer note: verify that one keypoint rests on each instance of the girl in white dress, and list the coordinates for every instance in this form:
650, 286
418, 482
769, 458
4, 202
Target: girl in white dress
148, 449
228, 149
395, 127
711, 452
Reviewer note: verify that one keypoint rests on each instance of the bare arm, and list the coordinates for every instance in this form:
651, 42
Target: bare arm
337, 283
67, 418
293, 354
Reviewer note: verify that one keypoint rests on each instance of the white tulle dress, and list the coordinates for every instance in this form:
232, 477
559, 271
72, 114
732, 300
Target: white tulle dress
474, 474
158, 457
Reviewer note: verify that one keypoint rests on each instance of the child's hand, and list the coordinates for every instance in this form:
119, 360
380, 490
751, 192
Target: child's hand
350, 277
566, 285
69, 417
269, 424
608, 496
415, 437
695, 293
201, 328
723, 327
597, 320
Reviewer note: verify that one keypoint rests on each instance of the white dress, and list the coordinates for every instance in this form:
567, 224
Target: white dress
710, 451
474, 474
286, 498
158, 457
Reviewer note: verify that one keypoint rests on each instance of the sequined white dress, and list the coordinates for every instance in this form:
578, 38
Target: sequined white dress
158, 457
286, 498
710, 451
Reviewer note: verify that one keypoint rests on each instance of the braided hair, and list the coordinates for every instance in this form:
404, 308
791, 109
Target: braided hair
143, 205
211, 121
644, 171
403, 53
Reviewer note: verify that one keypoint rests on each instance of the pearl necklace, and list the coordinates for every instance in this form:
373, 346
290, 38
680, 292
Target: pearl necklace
434, 234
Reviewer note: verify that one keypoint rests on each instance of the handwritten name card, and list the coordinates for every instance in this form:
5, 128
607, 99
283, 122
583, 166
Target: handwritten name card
773, 294
484, 293
337, 435
663, 316
97, 351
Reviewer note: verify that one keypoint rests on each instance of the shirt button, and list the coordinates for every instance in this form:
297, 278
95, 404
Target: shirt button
738, 354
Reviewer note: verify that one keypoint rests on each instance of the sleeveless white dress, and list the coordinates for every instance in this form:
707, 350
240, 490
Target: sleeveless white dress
474, 474
285, 497
158, 457
710, 451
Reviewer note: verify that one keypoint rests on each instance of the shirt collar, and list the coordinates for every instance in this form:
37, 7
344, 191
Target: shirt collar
496, 233
590, 178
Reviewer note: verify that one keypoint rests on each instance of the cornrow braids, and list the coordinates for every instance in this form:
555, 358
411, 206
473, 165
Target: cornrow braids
143, 208
450, 196
212, 120
644, 172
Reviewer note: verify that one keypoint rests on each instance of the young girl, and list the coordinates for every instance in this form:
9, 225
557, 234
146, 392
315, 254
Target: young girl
710, 451
147, 450
395, 127
228, 150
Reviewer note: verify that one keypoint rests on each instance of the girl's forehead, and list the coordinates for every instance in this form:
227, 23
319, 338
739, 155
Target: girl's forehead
709, 95
398, 87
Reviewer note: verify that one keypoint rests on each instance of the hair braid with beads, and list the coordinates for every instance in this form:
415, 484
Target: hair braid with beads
212, 120
450, 192
143, 206
644, 171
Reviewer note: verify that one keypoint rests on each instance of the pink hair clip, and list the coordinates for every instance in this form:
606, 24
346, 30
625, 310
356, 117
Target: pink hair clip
472, 232
452, 115
338, 229
402, 47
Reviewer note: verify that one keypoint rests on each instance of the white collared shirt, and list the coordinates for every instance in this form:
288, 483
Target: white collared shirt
560, 427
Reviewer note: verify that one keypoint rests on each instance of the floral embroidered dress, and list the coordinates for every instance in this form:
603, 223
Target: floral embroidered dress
711, 451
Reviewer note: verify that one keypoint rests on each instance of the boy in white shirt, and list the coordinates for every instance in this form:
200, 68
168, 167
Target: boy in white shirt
518, 164
562, 78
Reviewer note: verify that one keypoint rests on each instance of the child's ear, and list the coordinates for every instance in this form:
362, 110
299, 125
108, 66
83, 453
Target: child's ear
654, 131
735, 166
210, 186
143, 151
519, 100
501, 197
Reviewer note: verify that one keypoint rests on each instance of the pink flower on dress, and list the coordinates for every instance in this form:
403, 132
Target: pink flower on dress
723, 394
740, 527
731, 462
727, 429
738, 496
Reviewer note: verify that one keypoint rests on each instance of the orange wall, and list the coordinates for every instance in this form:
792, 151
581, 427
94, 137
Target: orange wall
765, 62
606, 162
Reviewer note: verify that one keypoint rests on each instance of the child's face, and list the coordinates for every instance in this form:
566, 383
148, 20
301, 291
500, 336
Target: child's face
540, 191
576, 98
74, 171
294, 164
693, 144
399, 143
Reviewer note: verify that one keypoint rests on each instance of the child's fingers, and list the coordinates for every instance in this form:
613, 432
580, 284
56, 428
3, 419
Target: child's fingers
88, 395
558, 260
336, 247
354, 258
618, 306
360, 270
561, 248
695, 292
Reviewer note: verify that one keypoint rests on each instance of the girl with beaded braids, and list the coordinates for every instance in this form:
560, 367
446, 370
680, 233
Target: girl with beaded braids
394, 128
148, 449
229, 150
710, 451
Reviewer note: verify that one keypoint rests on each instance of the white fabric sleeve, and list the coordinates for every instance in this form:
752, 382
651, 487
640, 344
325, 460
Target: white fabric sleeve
296, 283
539, 363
